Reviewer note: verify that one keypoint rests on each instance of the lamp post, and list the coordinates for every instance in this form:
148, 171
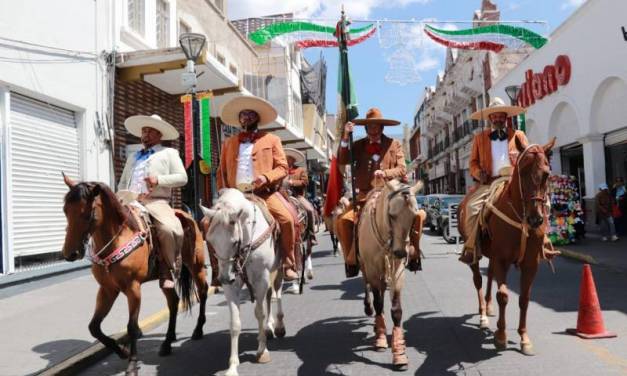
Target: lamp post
512, 92
192, 45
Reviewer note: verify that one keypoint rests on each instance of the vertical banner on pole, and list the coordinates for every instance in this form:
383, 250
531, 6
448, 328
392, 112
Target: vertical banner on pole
205, 128
189, 134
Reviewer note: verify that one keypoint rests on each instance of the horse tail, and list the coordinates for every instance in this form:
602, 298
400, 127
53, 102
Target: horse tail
186, 288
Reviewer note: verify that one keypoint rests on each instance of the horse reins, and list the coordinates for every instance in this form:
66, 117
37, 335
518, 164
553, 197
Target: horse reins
522, 223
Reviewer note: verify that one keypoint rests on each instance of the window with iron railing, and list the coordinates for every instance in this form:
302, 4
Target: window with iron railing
163, 24
136, 12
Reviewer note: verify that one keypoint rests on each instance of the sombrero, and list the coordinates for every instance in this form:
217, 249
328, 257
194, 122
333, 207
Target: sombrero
374, 116
298, 155
231, 109
497, 105
134, 125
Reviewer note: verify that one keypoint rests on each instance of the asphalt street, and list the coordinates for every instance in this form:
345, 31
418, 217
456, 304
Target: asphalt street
327, 332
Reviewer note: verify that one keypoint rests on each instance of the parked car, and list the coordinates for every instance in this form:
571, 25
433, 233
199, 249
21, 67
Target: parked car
422, 200
437, 213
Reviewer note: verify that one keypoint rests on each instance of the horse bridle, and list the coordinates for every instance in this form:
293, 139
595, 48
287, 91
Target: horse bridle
520, 186
387, 245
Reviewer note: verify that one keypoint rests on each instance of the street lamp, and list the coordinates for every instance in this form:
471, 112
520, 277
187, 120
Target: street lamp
192, 45
512, 92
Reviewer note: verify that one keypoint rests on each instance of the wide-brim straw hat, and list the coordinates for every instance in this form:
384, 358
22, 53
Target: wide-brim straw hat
299, 156
231, 109
497, 105
134, 125
374, 116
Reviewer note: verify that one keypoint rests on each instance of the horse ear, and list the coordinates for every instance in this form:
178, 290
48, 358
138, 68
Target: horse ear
69, 182
549, 146
520, 144
96, 190
209, 213
416, 188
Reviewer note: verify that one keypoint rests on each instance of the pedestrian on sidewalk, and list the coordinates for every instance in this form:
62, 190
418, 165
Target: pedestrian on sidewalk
620, 205
604, 213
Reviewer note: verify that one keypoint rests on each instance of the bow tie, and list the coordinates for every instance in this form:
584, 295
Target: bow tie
373, 148
500, 135
144, 154
246, 137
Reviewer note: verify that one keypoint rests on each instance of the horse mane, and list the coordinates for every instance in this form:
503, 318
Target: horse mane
111, 205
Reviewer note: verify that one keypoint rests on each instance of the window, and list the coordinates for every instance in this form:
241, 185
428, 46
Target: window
233, 69
184, 28
136, 12
163, 23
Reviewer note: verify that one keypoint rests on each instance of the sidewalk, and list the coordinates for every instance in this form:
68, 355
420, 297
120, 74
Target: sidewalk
44, 322
592, 250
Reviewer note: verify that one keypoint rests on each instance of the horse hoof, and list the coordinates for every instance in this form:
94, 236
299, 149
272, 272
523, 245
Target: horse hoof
500, 345
165, 350
264, 357
197, 334
400, 367
269, 334
400, 254
231, 372
400, 362
279, 332
527, 349
368, 311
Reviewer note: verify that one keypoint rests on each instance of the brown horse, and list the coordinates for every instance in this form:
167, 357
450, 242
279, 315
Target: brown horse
93, 210
516, 228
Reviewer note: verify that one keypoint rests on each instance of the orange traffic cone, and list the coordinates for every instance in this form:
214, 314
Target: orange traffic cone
590, 320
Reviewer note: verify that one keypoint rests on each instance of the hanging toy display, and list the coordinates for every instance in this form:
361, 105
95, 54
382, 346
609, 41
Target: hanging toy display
566, 210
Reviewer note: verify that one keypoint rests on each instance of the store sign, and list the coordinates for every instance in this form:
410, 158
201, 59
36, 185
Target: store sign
542, 84
453, 220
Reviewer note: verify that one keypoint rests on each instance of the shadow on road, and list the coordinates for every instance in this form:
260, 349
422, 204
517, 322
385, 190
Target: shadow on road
331, 346
430, 336
352, 289
56, 351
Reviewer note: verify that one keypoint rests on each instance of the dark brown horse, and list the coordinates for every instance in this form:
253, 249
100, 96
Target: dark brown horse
93, 210
516, 228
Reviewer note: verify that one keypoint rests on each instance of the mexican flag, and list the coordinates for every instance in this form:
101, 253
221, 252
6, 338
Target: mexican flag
346, 111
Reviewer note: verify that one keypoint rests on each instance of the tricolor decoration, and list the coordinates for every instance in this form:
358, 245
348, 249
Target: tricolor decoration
204, 113
188, 130
306, 34
491, 38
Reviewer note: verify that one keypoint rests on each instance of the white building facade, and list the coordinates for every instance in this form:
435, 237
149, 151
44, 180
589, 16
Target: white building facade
54, 117
578, 93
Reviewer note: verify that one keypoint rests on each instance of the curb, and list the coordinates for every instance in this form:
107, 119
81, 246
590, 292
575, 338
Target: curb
98, 351
578, 256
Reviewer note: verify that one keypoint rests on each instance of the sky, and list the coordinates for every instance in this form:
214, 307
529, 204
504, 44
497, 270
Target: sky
373, 60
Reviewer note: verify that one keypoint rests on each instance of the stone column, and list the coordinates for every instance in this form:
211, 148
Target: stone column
594, 170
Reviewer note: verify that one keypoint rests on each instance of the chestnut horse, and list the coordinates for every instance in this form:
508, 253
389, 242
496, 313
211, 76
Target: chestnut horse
516, 228
93, 210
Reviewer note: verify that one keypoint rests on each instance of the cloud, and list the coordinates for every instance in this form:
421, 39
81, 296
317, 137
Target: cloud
312, 8
572, 4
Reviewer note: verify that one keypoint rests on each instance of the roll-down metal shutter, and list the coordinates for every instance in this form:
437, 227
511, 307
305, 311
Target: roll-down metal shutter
617, 137
43, 141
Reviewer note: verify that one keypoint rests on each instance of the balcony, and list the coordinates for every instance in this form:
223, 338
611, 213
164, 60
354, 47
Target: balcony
471, 88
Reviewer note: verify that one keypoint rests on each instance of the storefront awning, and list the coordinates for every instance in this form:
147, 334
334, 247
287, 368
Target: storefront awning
163, 69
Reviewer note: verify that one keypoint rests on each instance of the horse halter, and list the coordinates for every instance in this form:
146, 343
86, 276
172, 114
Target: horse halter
387, 245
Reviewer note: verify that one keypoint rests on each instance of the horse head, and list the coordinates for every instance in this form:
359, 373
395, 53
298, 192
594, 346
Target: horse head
402, 209
229, 230
532, 173
81, 214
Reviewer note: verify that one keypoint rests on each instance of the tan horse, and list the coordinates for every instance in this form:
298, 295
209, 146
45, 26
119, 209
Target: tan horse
385, 224
93, 210
516, 228
329, 222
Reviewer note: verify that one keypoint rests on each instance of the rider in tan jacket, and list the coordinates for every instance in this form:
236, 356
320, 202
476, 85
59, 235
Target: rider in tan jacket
149, 175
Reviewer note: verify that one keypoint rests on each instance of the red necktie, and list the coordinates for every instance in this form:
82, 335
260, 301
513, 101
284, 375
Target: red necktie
373, 148
247, 136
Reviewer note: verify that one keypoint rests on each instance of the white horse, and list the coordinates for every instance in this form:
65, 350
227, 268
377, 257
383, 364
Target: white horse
243, 241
